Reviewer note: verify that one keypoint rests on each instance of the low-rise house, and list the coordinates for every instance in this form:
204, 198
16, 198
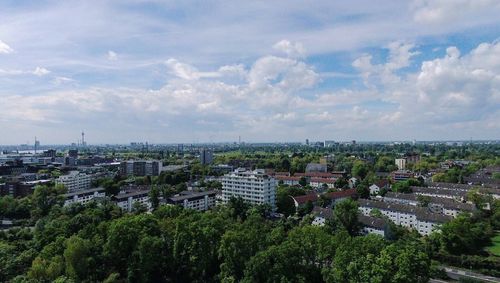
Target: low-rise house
84, 197
340, 195
200, 201
401, 175
353, 182
318, 183
302, 200
288, 180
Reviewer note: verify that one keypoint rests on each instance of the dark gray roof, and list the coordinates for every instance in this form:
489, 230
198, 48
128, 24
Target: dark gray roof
131, 194
444, 202
372, 222
440, 191
84, 192
191, 195
387, 206
423, 215
326, 213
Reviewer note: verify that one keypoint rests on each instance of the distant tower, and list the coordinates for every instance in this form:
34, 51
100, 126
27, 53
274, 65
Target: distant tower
36, 144
83, 138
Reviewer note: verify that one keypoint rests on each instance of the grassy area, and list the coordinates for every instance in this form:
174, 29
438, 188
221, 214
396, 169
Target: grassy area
495, 247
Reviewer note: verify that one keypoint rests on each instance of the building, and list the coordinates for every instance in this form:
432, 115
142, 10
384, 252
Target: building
444, 206
329, 143
321, 215
409, 216
141, 168
319, 183
84, 197
127, 200
288, 180
372, 225
401, 175
401, 163
75, 181
255, 187
316, 167
206, 156
200, 201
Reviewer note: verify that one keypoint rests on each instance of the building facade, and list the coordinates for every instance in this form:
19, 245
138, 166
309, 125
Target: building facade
255, 187
84, 197
141, 168
200, 201
75, 181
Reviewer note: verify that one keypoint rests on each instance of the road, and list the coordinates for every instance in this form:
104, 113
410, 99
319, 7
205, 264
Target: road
456, 273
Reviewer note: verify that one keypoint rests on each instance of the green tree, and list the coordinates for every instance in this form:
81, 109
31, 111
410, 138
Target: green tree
77, 258
346, 216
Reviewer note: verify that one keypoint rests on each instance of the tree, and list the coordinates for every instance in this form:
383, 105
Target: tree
154, 196
465, 235
44, 197
303, 181
423, 200
359, 169
238, 208
346, 214
77, 258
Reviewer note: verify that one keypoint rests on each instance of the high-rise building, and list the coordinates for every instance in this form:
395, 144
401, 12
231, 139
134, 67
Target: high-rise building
141, 168
206, 156
401, 163
75, 181
255, 187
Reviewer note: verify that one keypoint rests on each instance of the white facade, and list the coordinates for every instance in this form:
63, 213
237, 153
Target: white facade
200, 201
407, 216
84, 197
255, 187
126, 201
374, 189
75, 181
401, 163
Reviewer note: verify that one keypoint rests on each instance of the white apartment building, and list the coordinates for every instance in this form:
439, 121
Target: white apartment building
84, 197
408, 216
401, 163
255, 187
75, 181
200, 201
126, 200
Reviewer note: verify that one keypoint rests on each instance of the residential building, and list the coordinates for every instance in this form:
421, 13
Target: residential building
141, 168
418, 218
401, 175
127, 200
206, 156
444, 206
316, 167
288, 180
200, 201
84, 197
401, 163
372, 225
319, 183
255, 187
75, 181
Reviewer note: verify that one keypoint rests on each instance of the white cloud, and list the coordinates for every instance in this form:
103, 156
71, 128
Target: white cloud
294, 50
112, 56
439, 11
39, 71
4, 48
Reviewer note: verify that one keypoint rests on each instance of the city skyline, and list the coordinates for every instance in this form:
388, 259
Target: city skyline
182, 72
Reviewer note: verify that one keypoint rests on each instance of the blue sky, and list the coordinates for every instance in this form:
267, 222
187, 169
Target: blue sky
190, 71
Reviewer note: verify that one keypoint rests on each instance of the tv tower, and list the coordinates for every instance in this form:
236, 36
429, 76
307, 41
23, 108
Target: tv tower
83, 139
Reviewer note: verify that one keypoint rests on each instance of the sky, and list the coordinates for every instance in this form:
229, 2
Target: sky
268, 71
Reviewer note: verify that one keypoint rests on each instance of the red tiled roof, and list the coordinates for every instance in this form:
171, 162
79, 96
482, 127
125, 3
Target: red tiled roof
287, 178
316, 174
305, 198
341, 194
